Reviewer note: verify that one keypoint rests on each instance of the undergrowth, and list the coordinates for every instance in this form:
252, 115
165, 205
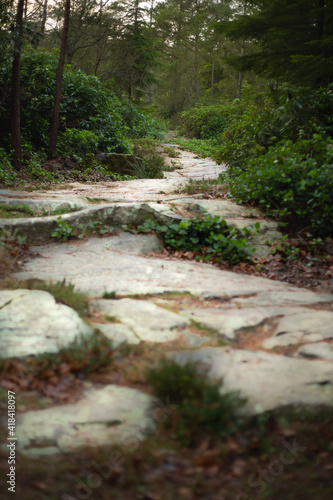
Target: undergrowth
208, 236
200, 406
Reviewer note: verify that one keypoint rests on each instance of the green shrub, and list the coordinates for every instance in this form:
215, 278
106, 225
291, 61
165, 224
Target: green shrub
205, 122
34, 170
208, 235
139, 124
290, 114
78, 142
246, 137
150, 167
200, 406
292, 181
150, 164
64, 230
202, 147
86, 105
8, 176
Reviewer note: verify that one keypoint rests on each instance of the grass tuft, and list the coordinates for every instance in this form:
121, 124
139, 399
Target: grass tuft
62, 292
200, 407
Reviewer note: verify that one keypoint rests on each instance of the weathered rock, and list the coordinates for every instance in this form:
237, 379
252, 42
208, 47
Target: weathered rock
94, 269
41, 207
309, 326
223, 208
124, 164
118, 333
111, 415
149, 321
268, 381
228, 321
321, 350
39, 229
32, 323
290, 296
195, 340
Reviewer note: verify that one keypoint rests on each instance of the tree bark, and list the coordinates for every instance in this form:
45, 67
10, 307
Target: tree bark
57, 94
240, 74
212, 80
44, 16
15, 97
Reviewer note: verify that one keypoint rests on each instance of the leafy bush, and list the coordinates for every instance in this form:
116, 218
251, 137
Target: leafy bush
205, 122
290, 114
246, 137
200, 407
139, 124
8, 176
293, 181
150, 167
79, 142
150, 164
208, 235
86, 105
64, 230
281, 157
202, 147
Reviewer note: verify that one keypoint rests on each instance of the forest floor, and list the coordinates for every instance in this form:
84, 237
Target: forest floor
283, 455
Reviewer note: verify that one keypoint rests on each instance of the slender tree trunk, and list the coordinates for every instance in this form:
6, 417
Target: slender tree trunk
240, 74
44, 17
57, 94
15, 97
196, 69
212, 80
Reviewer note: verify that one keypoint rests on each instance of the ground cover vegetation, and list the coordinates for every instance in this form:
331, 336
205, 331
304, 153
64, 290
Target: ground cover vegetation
203, 238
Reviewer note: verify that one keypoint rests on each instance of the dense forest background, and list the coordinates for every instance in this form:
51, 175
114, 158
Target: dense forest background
249, 82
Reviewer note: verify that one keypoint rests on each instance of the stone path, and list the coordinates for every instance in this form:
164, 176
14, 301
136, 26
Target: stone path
267, 339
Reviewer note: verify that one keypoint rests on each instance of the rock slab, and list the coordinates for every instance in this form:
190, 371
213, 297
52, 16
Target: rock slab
267, 381
148, 321
108, 415
32, 323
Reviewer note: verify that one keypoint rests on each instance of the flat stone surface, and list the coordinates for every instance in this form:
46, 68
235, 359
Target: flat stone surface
268, 381
223, 208
195, 340
32, 323
321, 350
111, 415
118, 333
228, 321
41, 206
135, 190
309, 326
148, 321
290, 296
94, 267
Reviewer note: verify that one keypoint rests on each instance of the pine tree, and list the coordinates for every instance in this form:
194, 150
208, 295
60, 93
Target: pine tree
295, 39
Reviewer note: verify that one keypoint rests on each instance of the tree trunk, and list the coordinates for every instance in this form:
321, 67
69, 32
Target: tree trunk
44, 16
212, 80
15, 97
196, 69
60, 72
240, 74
